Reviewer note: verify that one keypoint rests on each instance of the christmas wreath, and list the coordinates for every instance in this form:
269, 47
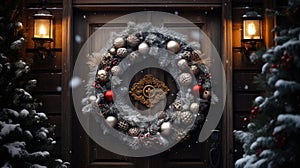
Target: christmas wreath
131, 52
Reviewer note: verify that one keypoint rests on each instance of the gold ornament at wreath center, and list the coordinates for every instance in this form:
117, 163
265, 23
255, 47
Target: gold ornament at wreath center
149, 90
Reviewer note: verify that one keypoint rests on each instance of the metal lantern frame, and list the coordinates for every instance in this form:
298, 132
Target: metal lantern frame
252, 31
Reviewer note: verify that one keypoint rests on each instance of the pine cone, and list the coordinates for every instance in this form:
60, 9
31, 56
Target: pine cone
133, 40
196, 55
186, 117
134, 131
123, 125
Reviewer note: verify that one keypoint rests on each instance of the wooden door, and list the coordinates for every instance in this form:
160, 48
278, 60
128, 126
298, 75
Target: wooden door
188, 154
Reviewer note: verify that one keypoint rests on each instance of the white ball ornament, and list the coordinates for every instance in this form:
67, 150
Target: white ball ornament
182, 64
112, 51
111, 121
143, 48
185, 79
173, 46
194, 107
166, 128
119, 42
102, 75
116, 70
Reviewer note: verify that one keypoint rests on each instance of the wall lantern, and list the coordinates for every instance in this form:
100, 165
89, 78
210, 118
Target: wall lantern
252, 30
43, 33
43, 27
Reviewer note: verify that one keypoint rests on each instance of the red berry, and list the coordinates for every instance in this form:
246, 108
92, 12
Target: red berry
107, 68
245, 119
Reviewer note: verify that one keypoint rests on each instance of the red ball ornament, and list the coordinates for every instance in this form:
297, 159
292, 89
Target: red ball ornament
108, 95
197, 90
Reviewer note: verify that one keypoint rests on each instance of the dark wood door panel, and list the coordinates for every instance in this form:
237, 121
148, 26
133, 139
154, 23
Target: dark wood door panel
184, 155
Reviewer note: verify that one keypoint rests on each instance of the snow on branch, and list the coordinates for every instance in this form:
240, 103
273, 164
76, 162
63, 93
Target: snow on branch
287, 123
16, 149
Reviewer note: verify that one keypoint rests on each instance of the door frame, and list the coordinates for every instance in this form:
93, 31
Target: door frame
226, 52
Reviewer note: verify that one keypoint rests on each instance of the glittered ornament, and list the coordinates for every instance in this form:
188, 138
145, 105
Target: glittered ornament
122, 52
173, 46
133, 56
111, 121
194, 107
186, 117
197, 90
106, 59
134, 131
177, 105
119, 42
112, 51
196, 55
194, 69
182, 64
116, 70
185, 79
206, 95
123, 125
186, 55
102, 75
143, 48
166, 128
108, 95
133, 40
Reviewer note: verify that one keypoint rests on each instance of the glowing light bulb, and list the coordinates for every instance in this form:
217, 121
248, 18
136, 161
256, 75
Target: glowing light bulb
43, 31
251, 29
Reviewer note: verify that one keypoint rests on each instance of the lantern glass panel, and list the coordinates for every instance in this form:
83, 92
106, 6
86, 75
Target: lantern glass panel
43, 28
252, 29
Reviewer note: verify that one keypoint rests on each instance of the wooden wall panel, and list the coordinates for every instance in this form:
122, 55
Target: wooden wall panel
47, 72
51, 103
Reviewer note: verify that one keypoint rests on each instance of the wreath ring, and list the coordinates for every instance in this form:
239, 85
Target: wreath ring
168, 52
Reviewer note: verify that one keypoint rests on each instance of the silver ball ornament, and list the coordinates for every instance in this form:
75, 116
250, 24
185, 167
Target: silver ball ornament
143, 48
119, 42
194, 107
173, 46
111, 121
185, 79
102, 75
182, 64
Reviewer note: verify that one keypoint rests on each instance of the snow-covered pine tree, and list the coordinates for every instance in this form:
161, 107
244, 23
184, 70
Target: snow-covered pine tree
24, 139
273, 132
